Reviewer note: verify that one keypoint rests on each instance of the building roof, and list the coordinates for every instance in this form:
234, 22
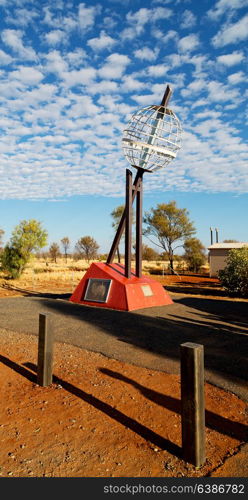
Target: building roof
227, 245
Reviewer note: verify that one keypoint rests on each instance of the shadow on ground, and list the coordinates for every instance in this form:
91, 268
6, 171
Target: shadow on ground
213, 420
221, 326
148, 337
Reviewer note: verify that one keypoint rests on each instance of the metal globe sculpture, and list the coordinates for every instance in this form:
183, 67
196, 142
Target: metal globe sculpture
152, 138
150, 141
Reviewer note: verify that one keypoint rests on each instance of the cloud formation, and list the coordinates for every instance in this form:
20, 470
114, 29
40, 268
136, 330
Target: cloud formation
72, 75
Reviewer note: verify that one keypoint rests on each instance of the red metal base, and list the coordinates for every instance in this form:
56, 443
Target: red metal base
125, 294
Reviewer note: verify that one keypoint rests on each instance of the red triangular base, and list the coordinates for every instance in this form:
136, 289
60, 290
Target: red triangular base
124, 294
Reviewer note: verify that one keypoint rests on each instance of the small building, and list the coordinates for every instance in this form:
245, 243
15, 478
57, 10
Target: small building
218, 253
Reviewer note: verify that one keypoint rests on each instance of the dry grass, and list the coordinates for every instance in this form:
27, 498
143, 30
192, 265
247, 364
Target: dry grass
63, 276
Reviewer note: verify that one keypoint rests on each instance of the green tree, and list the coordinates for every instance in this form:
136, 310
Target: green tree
230, 241
87, 247
1, 238
26, 238
194, 254
66, 244
116, 215
13, 261
54, 251
169, 225
149, 253
234, 278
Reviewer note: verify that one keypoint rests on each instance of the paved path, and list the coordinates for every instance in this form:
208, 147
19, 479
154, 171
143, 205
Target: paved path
148, 337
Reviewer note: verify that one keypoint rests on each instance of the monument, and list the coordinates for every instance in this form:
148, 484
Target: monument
150, 142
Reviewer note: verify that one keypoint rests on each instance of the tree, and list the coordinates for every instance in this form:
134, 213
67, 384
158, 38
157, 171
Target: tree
54, 251
1, 238
116, 214
87, 247
26, 238
66, 244
13, 261
168, 224
230, 241
234, 278
194, 254
149, 253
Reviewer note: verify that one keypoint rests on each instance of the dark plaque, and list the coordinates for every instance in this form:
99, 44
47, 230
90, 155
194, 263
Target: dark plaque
97, 290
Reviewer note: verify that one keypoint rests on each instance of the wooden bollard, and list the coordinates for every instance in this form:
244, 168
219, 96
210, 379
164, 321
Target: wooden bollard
45, 350
193, 403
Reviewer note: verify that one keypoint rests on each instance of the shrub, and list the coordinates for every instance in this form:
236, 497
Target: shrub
26, 238
13, 261
234, 278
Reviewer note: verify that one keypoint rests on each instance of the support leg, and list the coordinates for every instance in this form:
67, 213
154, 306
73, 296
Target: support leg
128, 219
139, 201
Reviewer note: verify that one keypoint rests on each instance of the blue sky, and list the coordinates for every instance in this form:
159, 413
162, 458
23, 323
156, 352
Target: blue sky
72, 73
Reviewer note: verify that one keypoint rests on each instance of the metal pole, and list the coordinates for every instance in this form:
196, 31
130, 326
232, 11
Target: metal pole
217, 236
121, 226
211, 235
193, 403
128, 219
139, 201
45, 350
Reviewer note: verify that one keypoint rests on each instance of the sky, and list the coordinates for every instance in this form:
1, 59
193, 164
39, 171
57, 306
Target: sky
73, 73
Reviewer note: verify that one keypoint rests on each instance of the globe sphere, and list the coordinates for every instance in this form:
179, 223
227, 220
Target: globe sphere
152, 138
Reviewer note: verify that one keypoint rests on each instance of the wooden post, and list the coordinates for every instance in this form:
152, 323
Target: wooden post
45, 350
193, 403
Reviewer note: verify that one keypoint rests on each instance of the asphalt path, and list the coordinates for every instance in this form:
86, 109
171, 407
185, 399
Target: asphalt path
147, 337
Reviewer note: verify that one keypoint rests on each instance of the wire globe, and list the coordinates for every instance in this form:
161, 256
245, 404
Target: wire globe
152, 138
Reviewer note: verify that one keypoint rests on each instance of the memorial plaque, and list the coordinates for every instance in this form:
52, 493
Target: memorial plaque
97, 290
147, 291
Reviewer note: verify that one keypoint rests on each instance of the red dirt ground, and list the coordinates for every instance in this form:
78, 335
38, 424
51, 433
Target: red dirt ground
103, 418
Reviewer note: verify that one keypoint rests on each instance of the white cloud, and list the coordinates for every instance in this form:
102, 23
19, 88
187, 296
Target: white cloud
86, 15
76, 57
131, 84
82, 76
146, 54
114, 67
236, 78
56, 20
159, 13
56, 63
22, 17
13, 39
194, 87
103, 87
5, 58
157, 70
27, 74
55, 37
231, 59
102, 42
170, 35
222, 6
218, 92
139, 19
232, 33
83, 106
49, 19
188, 19
188, 43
